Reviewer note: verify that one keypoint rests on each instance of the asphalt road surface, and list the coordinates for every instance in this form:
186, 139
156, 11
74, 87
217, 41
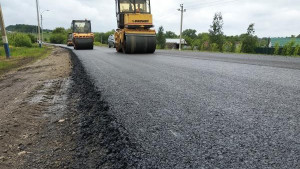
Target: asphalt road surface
203, 110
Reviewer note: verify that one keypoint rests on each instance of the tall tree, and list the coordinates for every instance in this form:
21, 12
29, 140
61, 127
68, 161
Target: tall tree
298, 36
190, 33
171, 35
160, 38
216, 31
250, 30
249, 40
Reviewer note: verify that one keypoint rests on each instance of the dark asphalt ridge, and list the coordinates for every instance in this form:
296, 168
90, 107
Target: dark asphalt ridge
187, 110
102, 142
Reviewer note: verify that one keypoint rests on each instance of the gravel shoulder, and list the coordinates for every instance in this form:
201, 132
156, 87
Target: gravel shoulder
29, 96
53, 116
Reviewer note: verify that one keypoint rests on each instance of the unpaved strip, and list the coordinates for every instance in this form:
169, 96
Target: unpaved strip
54, 117
27, 95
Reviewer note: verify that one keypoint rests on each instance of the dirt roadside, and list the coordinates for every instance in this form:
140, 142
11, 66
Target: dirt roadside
31, 98
53, 116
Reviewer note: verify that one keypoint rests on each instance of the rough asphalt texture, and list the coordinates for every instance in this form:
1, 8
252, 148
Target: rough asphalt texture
101, 142
200, 110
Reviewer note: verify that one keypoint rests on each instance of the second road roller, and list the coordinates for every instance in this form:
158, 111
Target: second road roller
134, 33
82, 35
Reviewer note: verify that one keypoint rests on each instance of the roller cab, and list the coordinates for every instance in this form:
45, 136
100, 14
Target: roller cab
82, 36
135, 23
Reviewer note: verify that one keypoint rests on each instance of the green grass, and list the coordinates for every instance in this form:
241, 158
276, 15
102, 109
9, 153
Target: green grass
21, 56
100, 44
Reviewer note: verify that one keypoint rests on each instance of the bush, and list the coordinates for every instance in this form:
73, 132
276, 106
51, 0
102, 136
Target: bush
289, 48
238, 48
32, 38
214, 47
297, 50
249, 44
58, 38
227, 47
19, 40
276, 52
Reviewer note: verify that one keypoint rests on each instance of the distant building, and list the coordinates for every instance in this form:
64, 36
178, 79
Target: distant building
283, 41
174, 43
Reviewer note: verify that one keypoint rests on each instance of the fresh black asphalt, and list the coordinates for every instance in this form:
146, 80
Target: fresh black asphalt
202, 110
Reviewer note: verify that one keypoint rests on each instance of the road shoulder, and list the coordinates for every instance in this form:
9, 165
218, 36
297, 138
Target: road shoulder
29, 97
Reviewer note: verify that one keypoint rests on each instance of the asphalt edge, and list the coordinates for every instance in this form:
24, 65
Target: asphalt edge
102, 142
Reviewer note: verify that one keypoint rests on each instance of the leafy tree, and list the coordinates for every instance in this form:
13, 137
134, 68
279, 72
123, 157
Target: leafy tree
59, 30
160, 37
250, 30
249, 40
190, 33
298, 36
22, 28
216, 31
233, 40
58, 38
203, 36
103, 37
276, 52
198, 43
171, 35
263, 42
202, 41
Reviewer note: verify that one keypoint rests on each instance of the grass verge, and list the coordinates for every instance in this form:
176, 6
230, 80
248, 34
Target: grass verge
21, 56
100, 44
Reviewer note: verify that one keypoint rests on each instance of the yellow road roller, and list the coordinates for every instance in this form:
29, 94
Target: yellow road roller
82, 36
70, 40
134, 33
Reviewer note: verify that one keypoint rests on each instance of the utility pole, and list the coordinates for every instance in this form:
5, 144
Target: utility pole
181, 10
42, 25
4, 36
42, 29
38, 18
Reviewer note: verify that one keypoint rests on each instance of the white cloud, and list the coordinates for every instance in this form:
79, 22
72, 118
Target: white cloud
271, 17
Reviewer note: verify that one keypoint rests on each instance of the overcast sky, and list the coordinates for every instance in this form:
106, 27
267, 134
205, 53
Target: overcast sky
275, 18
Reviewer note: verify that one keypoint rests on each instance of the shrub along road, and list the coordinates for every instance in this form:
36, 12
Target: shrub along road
197, 110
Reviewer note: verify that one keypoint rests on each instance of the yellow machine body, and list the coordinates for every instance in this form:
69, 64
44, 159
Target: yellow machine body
82, 37
134, 33
70, 39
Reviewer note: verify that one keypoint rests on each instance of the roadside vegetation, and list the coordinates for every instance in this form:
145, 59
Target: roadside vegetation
215, 41
23, 50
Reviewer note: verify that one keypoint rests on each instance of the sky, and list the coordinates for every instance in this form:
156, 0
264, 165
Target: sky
272, 18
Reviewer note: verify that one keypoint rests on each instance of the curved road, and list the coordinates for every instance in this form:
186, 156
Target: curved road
203, 110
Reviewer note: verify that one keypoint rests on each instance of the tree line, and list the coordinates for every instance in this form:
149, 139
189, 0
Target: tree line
24, 28
216, 40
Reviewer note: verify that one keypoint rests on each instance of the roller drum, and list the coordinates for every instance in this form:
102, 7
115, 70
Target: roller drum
135, 43
84, 43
